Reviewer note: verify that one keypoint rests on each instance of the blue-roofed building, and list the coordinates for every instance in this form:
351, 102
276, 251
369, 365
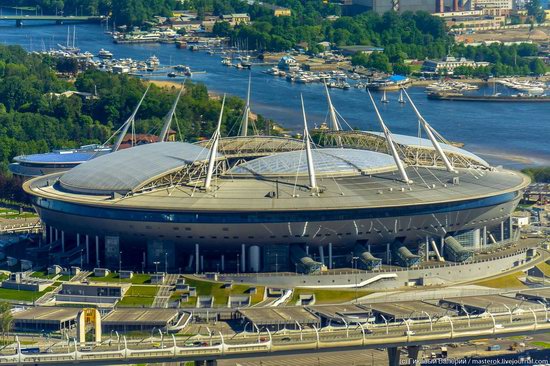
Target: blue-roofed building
34, 165
392, 82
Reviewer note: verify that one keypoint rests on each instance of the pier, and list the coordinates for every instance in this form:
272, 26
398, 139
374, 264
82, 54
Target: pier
57, 19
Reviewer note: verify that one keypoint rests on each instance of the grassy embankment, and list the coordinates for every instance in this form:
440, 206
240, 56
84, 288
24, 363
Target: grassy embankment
139, 296
137, 279
509, 281
221, 295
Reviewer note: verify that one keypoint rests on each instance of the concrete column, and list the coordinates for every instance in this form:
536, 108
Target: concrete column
307, 249
243, 258
442, 246
388, 254
330, 255
502, 231
77, 239
51, 234
97, 250
322, 254
393, 356
87, 249
254, 258
202, 263
484, 237
510, 227
222, 263
197, 258
414, 354
56, 235
368, 248
62, 241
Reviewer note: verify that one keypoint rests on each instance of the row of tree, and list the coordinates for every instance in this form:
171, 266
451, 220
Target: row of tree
538, 174
35, 119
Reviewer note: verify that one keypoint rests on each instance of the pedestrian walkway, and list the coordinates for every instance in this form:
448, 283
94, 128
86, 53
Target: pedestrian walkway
163, 294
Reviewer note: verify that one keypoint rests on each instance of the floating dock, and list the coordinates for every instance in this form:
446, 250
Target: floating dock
490, 98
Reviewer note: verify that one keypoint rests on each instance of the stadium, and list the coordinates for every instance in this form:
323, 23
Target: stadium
267, 203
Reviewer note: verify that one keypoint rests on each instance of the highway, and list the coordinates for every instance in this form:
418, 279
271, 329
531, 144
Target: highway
217, 346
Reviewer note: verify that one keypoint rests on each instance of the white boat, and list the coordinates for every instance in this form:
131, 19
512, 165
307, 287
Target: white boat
153, 61
104, 54
384, 98
226, 61
401, 100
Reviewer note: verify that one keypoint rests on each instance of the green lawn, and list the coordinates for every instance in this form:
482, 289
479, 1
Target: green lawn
328, 296
221, 295
136, 301
139, 296
545, 268
113, 277
508, 281
544, 345
137, 290
6, 213
20, 295
45, 275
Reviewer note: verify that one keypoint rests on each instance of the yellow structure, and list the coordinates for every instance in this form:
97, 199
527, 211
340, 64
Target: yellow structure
88, 317
282, 12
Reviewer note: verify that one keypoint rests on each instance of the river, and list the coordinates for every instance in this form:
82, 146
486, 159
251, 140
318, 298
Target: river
510, 134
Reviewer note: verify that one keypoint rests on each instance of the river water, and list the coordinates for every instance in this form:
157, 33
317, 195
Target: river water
512, 134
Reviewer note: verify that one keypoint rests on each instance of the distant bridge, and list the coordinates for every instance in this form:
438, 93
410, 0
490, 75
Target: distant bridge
58, 19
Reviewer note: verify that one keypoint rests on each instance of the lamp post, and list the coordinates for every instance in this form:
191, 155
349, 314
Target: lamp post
166, 262
156, 263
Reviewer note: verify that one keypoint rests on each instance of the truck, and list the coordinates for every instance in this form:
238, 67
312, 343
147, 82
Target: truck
494, 347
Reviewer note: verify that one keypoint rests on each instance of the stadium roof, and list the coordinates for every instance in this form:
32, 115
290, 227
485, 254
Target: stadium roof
129, 169
419, 142
328, 162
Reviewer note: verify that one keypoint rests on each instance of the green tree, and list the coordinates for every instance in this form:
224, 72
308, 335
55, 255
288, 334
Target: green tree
6, 319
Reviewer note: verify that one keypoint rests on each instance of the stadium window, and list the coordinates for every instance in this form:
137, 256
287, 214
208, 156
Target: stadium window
226, 237
201, 237
175, 228
272, 236
235, 237
178, 236
250, 237
213, 237
225, 229
187, 229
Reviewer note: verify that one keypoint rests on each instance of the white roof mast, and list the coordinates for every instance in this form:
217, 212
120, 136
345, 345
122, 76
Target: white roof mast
334, 125
168, 118
310, 167
389, 139
431, 136
214, 150
128, 122
246, 115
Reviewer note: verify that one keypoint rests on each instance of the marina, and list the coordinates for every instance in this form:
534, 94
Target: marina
520, 136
